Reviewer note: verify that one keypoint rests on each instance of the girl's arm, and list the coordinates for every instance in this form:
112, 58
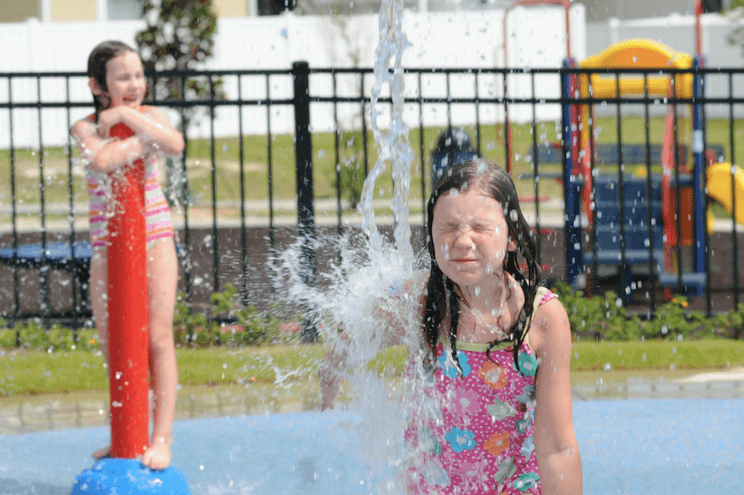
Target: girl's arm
151, 127
106, 154
556, 449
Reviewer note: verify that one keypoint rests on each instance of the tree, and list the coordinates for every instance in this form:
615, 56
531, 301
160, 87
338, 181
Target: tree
179, 36
736, 12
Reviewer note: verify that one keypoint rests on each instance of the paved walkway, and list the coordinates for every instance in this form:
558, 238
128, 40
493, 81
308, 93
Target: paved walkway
76, 410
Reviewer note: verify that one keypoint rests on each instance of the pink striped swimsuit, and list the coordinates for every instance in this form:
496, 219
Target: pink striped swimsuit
157, 214
481, 440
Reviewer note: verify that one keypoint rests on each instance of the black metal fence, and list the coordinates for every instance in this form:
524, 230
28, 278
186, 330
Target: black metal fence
587, 159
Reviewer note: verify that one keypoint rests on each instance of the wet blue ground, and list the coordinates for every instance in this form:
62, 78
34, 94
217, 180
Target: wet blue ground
679, 446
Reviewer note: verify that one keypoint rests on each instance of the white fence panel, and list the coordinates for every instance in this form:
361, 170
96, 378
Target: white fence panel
458, 40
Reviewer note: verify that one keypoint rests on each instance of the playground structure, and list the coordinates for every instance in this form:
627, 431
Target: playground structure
643, 219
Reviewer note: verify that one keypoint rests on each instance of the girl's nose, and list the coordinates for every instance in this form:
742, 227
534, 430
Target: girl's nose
463, 239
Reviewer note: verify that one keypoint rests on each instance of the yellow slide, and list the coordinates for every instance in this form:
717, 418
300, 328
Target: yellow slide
719, 188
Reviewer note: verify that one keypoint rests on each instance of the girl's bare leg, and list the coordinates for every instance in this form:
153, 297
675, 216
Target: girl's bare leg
162, 279
98, 289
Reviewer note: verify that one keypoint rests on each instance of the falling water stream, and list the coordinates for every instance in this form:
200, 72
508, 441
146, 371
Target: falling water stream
355, 288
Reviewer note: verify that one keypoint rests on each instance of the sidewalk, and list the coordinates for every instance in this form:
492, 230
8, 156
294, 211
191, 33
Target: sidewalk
28, 217
87, 409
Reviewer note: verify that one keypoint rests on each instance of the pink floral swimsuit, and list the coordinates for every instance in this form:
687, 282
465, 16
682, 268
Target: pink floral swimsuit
481, 440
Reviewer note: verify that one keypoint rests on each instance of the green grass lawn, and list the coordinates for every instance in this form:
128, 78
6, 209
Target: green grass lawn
37, 372
350, 157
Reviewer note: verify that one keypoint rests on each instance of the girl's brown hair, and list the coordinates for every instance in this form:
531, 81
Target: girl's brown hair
97, 61
441, 294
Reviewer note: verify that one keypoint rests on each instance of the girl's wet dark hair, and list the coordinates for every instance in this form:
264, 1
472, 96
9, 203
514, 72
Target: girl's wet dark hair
442, 295
97, 60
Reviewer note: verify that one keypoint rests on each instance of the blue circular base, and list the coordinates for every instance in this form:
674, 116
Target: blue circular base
129, 477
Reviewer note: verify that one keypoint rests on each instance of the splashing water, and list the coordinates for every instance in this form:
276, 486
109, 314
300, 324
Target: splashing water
393, 144
368, 281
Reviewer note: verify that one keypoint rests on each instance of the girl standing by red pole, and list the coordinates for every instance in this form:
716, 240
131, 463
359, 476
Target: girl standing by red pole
117, 82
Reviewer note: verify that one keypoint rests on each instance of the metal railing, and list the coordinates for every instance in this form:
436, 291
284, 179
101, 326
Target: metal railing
489, 95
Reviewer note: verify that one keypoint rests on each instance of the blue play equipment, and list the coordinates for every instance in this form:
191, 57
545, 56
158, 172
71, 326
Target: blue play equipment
453, 146
633, 215
129, 477
660, 446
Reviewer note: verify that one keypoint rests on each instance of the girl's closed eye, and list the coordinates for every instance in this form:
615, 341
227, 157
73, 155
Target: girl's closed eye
449, 227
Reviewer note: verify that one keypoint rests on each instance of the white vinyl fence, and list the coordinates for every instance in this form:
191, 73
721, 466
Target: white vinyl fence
457, 40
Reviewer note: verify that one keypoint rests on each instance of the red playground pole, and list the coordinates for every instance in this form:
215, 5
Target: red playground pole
127, 307
129, 340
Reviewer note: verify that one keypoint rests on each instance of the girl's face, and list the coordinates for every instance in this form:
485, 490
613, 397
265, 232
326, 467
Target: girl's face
470, 237
125, 79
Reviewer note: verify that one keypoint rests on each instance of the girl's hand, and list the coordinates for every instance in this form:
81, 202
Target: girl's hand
158, 455
328, 392
107, 119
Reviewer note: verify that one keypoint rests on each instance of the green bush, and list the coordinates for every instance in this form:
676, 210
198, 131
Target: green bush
192, 328
730, 324
256, 328
604, 317
33, 335
251, 327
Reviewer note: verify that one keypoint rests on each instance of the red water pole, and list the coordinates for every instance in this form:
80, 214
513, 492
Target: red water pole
698, 29
127, 306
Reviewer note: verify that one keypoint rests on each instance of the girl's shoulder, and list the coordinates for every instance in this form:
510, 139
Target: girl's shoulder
549, 321
544, 295
83, 127
546, 303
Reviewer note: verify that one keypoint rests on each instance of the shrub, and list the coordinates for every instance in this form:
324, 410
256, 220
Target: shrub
229, 322
192, 328
256, 328
602, 317
33, 335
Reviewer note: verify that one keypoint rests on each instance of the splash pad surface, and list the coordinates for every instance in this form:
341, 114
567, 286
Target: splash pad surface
679, 446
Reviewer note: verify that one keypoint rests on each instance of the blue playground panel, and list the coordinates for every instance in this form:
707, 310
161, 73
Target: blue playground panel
607, 215
607, 212
57, 254
664, 447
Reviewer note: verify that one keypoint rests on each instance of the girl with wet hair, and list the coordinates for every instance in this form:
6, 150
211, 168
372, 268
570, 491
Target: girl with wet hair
117, 83
497, 344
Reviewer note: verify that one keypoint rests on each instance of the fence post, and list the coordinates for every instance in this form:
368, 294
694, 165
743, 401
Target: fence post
571, 184
304, 173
